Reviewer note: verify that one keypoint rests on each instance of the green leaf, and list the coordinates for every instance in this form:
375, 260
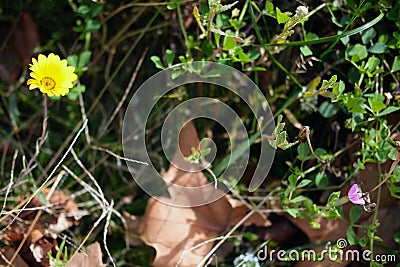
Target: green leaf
321, 180
372, 63
84, 59
396, 237
355, 213
334, 196
242, 56
293, 212
303, 183
282, 17
327, 110
303, 151
396, 64
269, 8
229, 43
377, 48
169, 56
368, 35
250, 236
306, 51
376, 104
388, 110
73, 60
83, 10
362, 241
351, 236
157, 62
92, 25
315, 225
292, 180
338, 89
357, 52
298, 199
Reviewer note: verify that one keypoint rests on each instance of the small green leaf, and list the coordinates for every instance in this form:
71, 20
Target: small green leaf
303, 151
357, 52
388, 110
157, 62
169, 56
282, 17
83, 10
293, 212
396, 64
368, 35
377, 48
242, 56
372, 63
92, 25
292, 180
334, 196
229, 43
396, 237
327, 110
84, 59
303, 183
269, 8
362, 241
315, 225
305, 50
321, 180
355, 213
73, 60
250, 236
376, 104
351, 236
298, 199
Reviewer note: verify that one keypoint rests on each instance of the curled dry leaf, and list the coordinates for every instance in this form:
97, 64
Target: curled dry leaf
61, 214
91, 257
185, 235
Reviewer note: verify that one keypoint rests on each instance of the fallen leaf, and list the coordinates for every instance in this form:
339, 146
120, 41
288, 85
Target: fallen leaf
8, 253
132, 236
175, 232
92, 257
56, 218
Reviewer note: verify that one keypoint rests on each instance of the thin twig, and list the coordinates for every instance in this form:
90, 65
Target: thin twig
118, 156
127, 90
234, 228
394, 164
51, 174
11, 181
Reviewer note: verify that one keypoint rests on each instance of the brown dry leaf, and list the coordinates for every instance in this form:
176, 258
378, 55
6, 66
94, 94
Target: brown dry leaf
132, 236
41, 240
91, 258
239, 210
330, 230
174, 231
8, 253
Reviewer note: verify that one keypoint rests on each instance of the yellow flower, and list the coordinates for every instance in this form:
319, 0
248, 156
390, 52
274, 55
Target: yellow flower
51, 75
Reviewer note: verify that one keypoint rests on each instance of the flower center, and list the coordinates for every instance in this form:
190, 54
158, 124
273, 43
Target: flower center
48, 83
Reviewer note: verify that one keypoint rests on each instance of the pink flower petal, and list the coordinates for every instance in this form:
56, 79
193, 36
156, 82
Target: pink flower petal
359, 201
353, 190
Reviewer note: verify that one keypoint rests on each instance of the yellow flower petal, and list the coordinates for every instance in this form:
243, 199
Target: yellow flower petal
51, 75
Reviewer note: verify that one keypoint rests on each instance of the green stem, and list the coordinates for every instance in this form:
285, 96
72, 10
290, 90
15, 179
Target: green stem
182, 25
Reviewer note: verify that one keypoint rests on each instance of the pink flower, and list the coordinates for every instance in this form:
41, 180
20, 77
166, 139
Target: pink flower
355, 195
